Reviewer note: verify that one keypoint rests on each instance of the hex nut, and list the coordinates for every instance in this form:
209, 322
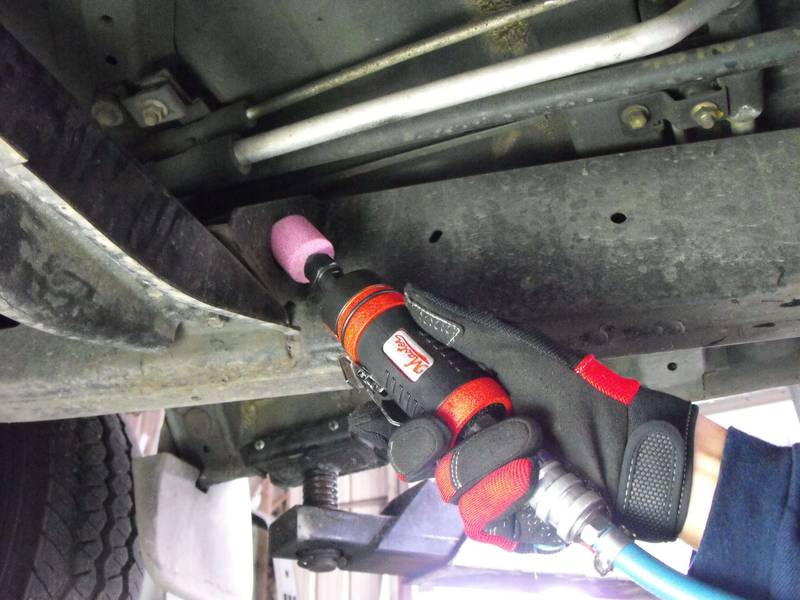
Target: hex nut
153, 112
706, 114
107, 113
636, 117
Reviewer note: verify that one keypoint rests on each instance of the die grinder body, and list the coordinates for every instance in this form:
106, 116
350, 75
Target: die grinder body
390, 354
396, 360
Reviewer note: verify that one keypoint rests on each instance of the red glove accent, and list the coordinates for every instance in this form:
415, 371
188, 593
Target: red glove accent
497, 492
607, 381
489, 499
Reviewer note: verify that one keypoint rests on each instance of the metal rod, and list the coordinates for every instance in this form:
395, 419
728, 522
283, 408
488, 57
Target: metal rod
239, 116
403, 54
753, 53
625, 44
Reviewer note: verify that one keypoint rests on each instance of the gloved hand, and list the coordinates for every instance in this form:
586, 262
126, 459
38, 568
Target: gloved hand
633, 444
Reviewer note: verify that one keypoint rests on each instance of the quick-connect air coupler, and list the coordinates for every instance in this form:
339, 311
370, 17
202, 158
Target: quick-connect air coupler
577, 513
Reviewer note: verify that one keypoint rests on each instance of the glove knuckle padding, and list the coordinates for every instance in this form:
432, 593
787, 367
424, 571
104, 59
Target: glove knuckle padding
416, 446
655, 478
491, 477
484, 453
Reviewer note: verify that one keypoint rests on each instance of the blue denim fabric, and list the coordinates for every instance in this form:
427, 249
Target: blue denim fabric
751, 545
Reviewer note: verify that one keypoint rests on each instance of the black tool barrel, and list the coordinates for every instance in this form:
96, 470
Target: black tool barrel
422, 375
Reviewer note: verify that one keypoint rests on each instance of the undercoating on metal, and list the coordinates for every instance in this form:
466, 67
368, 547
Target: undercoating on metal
700, 272
89, 45
193, 30
443, 124
308, 40
415, 534
42, 376
104, 198
65, 284
669, 248
514, 17
642, 39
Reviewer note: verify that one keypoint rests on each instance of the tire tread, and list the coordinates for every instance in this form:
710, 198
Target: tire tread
88, 548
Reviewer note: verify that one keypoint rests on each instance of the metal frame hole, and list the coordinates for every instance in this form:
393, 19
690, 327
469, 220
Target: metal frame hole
619, 218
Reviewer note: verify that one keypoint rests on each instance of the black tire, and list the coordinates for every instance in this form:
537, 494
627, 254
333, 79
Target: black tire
67, 528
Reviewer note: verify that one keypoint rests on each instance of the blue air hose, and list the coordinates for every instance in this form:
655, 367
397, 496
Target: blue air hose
661, 580
578, 514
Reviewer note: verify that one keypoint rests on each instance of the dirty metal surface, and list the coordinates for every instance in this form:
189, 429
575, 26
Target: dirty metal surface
289, 381
706, 257
672, 248
312, 39
44, 376
106, 199
662, 249
67, 284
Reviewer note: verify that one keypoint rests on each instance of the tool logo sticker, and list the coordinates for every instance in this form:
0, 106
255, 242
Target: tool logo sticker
407, 355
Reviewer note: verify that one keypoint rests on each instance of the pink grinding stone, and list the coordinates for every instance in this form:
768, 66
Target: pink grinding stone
293, 240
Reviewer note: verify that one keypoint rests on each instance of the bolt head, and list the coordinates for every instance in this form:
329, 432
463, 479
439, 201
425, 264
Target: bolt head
333, 425
107, 113
323, 560
259, 445
153, 112
636, 117
706, 114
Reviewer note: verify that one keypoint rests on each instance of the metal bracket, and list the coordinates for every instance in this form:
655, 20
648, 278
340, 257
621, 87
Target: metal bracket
161, 100
416, 533
289, 454
359, 378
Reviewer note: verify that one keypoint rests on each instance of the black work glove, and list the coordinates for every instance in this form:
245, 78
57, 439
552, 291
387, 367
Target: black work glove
632, 443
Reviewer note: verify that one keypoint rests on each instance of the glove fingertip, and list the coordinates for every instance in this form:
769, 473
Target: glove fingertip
416, 446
